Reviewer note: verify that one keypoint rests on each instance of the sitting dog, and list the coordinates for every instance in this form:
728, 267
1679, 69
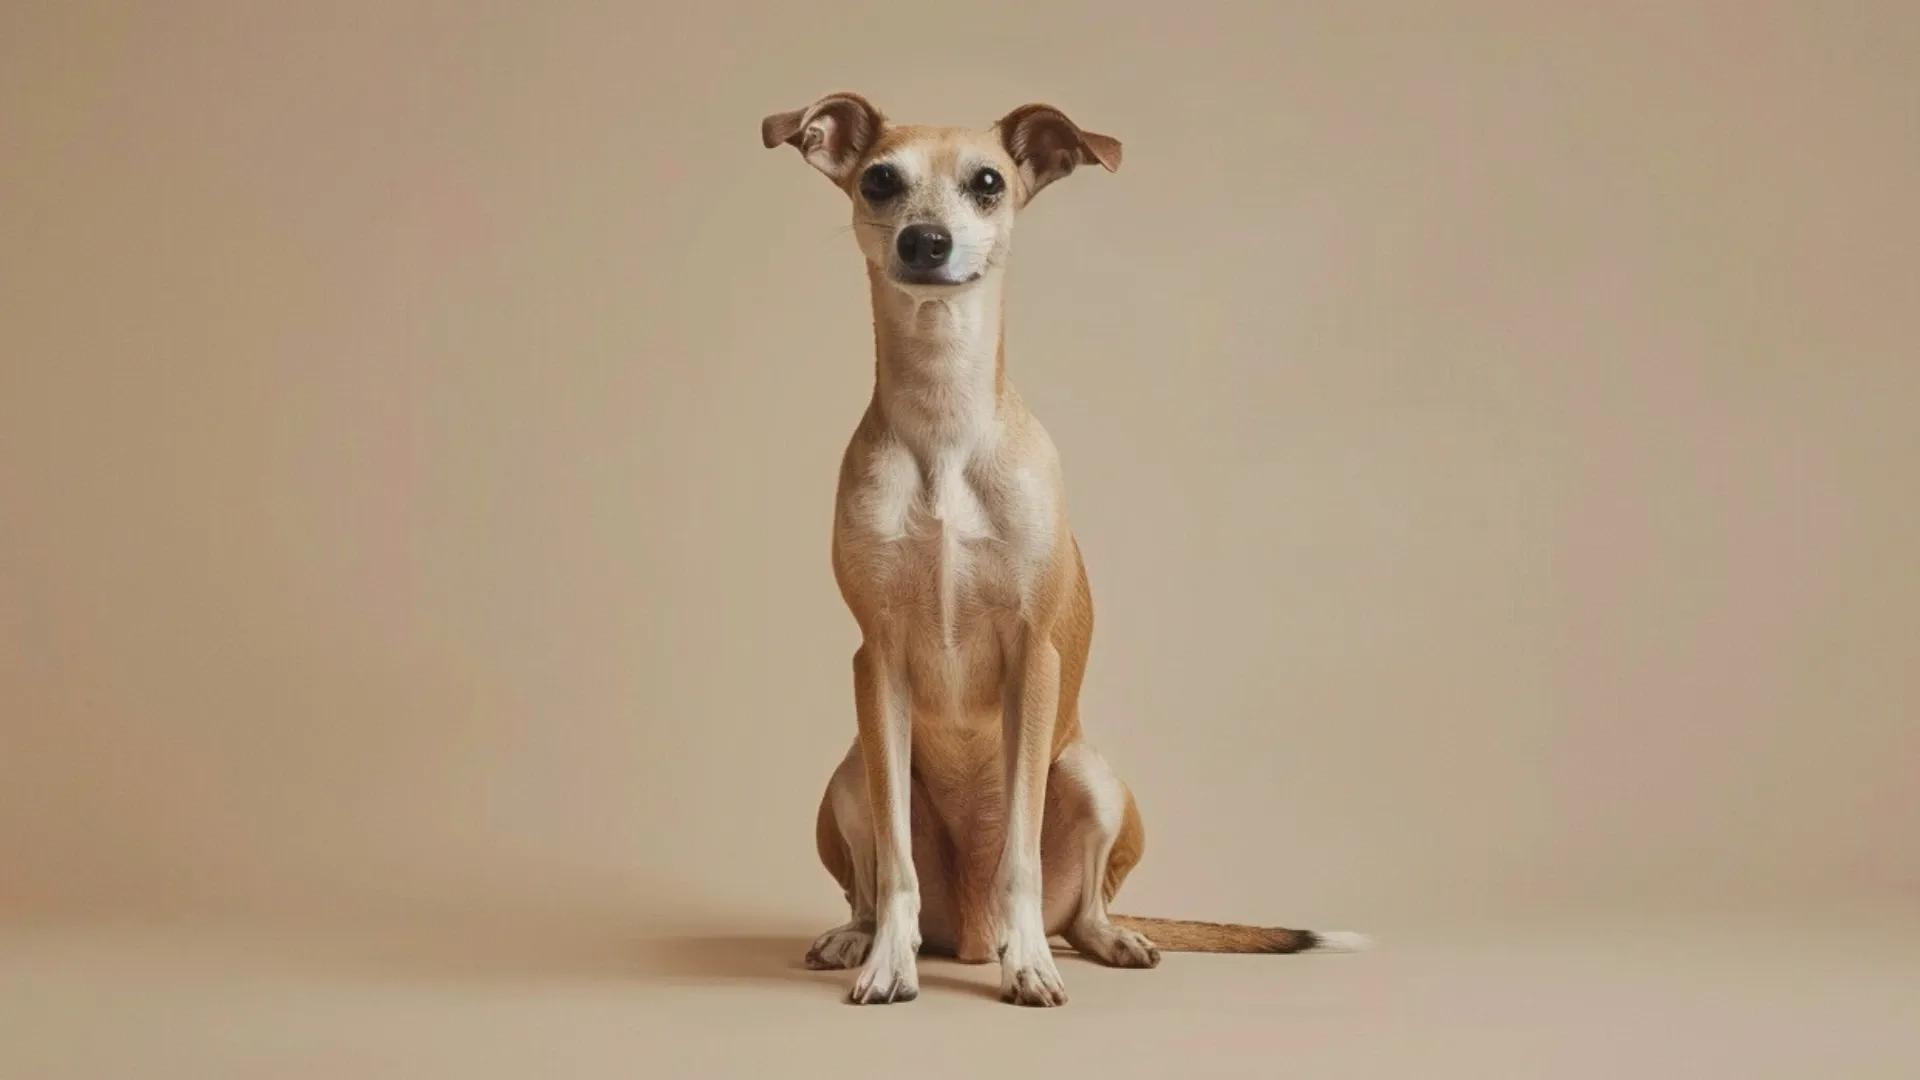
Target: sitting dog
970, 815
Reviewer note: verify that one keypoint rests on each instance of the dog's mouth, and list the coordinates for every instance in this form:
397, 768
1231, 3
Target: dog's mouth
930, 279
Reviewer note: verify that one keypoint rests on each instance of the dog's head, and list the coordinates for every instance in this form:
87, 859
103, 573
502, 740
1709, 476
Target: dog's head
933, 207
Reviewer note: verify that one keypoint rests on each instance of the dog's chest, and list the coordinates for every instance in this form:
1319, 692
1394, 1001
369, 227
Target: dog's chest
948, 539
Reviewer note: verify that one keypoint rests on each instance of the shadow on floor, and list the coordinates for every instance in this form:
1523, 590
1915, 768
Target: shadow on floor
726, 957
458, 951
780, 959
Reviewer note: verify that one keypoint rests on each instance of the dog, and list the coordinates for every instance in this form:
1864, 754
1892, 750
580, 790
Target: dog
970, 817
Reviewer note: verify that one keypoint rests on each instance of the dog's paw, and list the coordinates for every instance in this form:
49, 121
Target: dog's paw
1116, 946
1131, 949
890, 974
841, 947
1036, 985
1028, 975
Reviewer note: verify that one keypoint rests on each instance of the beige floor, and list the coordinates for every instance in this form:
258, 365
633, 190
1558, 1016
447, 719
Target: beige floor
1700, 997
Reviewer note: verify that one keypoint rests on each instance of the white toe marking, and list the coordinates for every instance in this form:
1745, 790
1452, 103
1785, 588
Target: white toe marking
841, 947
1028, 975
890, 973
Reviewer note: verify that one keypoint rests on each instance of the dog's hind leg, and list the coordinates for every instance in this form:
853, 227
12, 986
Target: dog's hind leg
1091, 837
844, 833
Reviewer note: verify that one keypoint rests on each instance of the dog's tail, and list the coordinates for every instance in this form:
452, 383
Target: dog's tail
1185, 935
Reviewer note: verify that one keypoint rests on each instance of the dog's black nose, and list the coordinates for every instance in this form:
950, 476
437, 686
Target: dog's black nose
924, 247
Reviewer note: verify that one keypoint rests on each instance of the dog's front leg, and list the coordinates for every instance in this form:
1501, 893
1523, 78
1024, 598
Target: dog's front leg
881, 701
1032, 698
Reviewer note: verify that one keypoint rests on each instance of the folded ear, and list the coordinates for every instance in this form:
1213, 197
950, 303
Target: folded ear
831, 134
1046, 146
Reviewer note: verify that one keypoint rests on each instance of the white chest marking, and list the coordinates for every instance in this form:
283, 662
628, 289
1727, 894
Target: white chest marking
956, 505
899, 492
893, 491
938, 508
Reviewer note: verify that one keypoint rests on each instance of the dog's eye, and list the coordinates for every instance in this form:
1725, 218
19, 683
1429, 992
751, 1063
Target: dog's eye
880, 183
986, 184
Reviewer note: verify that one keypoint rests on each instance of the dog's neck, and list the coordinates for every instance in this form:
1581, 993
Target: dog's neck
939, 371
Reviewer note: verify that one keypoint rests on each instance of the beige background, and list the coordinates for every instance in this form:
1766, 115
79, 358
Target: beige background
1491, 432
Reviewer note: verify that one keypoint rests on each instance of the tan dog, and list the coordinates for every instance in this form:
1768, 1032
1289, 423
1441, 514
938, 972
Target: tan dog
969, 815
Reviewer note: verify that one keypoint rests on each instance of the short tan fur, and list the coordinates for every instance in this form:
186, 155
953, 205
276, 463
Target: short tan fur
970, 816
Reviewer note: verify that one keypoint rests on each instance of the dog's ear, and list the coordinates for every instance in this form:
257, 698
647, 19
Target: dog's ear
831, 133
1046, 146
